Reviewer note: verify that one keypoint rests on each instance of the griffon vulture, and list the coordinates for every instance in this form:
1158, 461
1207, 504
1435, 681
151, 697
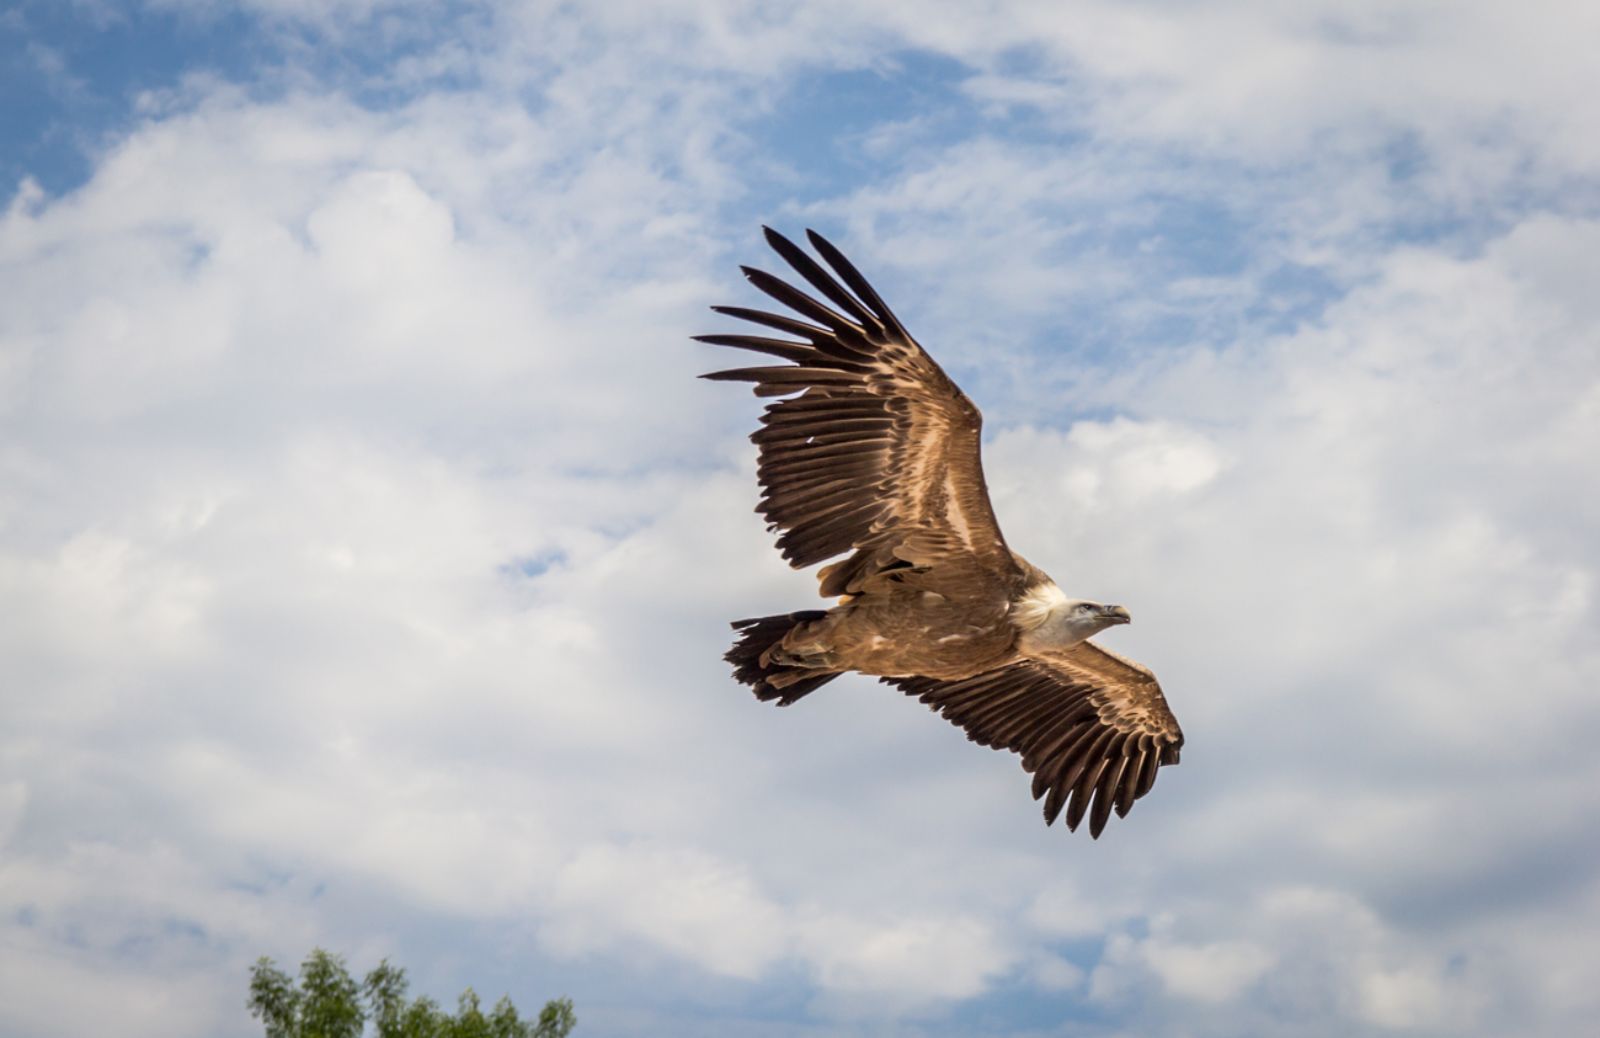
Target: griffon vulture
869, 451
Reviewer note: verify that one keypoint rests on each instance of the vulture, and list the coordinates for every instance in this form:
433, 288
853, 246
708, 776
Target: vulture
869, 456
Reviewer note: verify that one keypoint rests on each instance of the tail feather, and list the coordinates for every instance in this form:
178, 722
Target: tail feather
753, 664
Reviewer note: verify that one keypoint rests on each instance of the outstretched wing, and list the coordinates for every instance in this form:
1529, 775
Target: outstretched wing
873, 450
1091, 727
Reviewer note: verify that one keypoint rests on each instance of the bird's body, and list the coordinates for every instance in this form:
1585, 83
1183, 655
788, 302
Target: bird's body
904, 632
873, 453
900, 630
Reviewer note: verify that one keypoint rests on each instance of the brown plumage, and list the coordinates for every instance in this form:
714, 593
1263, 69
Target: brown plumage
871, 452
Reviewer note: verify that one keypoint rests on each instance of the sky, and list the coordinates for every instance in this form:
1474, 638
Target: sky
367, 546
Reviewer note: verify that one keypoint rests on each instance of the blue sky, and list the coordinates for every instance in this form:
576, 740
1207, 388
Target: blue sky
367, 545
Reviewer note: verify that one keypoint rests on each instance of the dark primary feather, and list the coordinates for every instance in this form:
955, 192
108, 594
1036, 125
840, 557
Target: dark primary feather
871, 449
1091, 727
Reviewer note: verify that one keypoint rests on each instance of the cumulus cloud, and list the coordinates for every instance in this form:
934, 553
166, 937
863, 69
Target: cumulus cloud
366, 547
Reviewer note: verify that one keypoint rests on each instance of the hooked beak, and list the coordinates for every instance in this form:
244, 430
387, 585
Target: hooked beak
1116, 614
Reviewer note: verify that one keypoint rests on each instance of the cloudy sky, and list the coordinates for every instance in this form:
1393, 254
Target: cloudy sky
367, 547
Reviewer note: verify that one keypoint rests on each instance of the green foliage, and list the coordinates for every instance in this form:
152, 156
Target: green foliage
556, 1019
470, 1021
328, 1003
274, 1000
330, 1006
385, 988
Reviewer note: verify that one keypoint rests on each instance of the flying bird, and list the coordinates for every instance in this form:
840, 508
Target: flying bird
871, 452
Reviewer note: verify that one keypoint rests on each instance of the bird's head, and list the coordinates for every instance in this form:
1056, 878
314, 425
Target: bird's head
1089, 618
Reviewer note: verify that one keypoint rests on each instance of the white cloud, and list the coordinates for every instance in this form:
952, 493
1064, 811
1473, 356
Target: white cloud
1216, 972
907, 962
678, 901
361, 529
